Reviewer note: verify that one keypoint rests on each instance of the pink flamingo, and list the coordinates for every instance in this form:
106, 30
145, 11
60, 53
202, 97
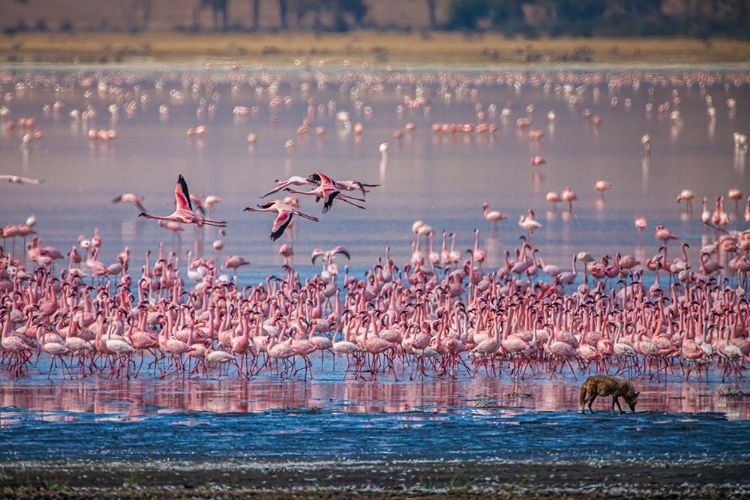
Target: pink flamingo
326, 191
283, 219
184, 212
294, 180
493, 216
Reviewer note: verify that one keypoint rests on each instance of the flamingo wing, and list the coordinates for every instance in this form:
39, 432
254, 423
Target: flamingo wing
328, 196
343, 251
321, 179
182, 194
280, 224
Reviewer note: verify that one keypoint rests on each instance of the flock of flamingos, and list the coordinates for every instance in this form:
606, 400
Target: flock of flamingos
440, 314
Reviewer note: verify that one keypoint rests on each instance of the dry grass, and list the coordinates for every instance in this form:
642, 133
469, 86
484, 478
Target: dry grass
362, 47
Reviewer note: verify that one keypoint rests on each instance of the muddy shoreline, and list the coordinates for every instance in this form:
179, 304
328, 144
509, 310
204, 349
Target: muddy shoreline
483, 479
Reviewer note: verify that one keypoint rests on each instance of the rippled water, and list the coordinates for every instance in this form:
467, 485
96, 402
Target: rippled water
355, 421
441, 179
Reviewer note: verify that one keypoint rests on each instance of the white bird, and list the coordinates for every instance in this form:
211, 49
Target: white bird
528, 223
16, 179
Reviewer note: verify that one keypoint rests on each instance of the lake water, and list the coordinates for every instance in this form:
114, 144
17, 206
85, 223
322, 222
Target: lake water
440, 178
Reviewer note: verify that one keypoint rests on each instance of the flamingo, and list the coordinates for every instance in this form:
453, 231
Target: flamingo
528, 223
234, 262
493, 216
602, 186
354, 185
283, 219
294, 180
553, 198
184, 212
17, 179
569, 196
705, 212
663, 234
326, 191
736, 195
219, 244
687, 196
131, 198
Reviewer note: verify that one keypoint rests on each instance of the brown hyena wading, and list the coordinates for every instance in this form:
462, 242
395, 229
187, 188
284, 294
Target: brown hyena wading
607, 385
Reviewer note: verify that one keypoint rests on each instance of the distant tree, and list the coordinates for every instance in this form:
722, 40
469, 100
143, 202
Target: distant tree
313, 7
580, 10
283, 13
355, 8
219, 8
432, 13
145, 7
255, 10
506, 11
466, 14
136, 12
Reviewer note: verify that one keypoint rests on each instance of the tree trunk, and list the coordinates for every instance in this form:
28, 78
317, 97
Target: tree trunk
255, 8
146, 12
283, 12
432, 12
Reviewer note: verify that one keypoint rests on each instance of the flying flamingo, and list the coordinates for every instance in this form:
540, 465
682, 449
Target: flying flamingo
326, 191
354, 185
294, 180
16, 179
283, 219
184, 212
131, 198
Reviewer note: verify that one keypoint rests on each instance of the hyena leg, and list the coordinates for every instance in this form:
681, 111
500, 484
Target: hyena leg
616, 401
591, 399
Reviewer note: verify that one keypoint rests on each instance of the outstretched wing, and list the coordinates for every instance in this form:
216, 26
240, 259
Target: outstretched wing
328, 199
182, 195
319, 178
280, 223
343, 251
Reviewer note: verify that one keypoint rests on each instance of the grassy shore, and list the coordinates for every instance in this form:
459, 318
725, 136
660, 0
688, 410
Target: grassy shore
361, 48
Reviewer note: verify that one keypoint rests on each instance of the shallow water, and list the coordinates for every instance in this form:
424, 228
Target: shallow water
441, 179
299, 421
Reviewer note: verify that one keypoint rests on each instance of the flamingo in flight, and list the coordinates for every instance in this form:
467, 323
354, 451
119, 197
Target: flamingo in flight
184, 212
354, 185
327, 191
131, 198
283, 219
294, 180
328, 256
16, 179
